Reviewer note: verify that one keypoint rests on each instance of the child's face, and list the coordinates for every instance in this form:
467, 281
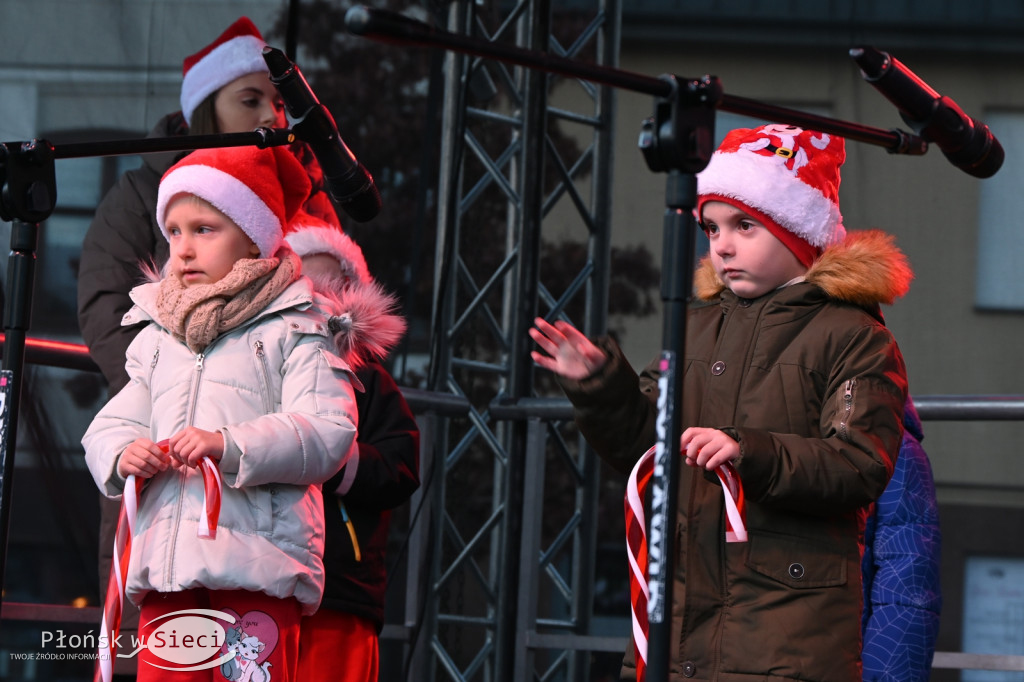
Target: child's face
745, 254
247, 103
205, 243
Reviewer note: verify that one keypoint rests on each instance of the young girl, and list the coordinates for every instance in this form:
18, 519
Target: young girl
790, 376
234, 366
225, 88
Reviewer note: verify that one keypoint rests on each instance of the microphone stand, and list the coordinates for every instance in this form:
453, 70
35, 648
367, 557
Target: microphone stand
679, 140
28, 195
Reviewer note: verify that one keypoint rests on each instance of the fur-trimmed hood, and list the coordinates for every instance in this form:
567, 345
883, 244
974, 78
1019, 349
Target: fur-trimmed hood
866, 269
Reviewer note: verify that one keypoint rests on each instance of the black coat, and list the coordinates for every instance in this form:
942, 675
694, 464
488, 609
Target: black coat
388, 473
123, 235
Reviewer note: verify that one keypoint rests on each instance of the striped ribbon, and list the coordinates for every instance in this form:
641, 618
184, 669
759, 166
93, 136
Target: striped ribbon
636, 544
636, 541
735, 507
113, 605
212, 487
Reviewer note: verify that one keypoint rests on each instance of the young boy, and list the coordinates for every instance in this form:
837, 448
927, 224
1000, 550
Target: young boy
235, 365
792, 377
381, 475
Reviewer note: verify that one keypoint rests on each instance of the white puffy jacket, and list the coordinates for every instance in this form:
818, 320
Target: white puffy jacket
286, 407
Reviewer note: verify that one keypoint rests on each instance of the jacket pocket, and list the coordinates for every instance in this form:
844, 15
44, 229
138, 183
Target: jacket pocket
799, 563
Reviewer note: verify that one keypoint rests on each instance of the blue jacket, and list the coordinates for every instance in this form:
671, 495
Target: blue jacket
902, 595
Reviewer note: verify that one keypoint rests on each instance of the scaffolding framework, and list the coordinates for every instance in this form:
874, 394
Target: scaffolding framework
510, 573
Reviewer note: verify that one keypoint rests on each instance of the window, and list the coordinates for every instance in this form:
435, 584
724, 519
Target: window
993, 619
998, 285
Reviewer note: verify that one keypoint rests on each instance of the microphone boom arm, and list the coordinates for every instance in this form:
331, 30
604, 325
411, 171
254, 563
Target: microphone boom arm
386, 26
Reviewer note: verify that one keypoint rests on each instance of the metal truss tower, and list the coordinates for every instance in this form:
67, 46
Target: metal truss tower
507, 545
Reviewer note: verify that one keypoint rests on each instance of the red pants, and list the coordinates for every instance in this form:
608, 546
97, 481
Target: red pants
337, 647
264, 637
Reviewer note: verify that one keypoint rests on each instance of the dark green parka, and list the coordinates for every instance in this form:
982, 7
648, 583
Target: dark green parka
811, 384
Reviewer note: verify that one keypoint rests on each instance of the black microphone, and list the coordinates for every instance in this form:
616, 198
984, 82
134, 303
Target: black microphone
968, 143
348, 182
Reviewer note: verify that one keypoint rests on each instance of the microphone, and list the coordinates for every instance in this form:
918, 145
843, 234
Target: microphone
348, 182
966, 142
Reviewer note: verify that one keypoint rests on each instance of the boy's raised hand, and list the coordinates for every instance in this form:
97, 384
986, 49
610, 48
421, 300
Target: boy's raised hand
567, 351
143, 459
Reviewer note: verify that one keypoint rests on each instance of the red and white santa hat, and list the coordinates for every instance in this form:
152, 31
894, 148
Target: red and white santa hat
236, 52
308, 236
261, 190
365, 318
786, 178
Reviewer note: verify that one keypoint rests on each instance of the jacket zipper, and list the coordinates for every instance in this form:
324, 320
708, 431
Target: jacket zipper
261, 359
844, 429
181, 476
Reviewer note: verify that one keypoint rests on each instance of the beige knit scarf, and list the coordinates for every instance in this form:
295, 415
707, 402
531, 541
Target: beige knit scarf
196, 315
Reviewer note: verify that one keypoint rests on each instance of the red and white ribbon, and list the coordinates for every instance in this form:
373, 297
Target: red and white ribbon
735, 507
636, 540
113, 605
212, 490
211, 498
636, 544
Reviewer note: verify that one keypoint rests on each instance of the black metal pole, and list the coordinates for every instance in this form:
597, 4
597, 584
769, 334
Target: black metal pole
17, 316
677, 139
676, 282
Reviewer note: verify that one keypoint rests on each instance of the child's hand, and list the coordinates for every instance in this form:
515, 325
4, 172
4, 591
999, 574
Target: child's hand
708, 448
568, 352
188, 446
143, 459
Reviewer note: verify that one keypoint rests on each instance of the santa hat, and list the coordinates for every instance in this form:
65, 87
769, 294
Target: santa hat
236, 52
364, 317
309, 236
786, 178
261, 190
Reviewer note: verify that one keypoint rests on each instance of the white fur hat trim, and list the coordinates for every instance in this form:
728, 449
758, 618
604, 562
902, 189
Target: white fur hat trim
759, 182
227, 194
233, 59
